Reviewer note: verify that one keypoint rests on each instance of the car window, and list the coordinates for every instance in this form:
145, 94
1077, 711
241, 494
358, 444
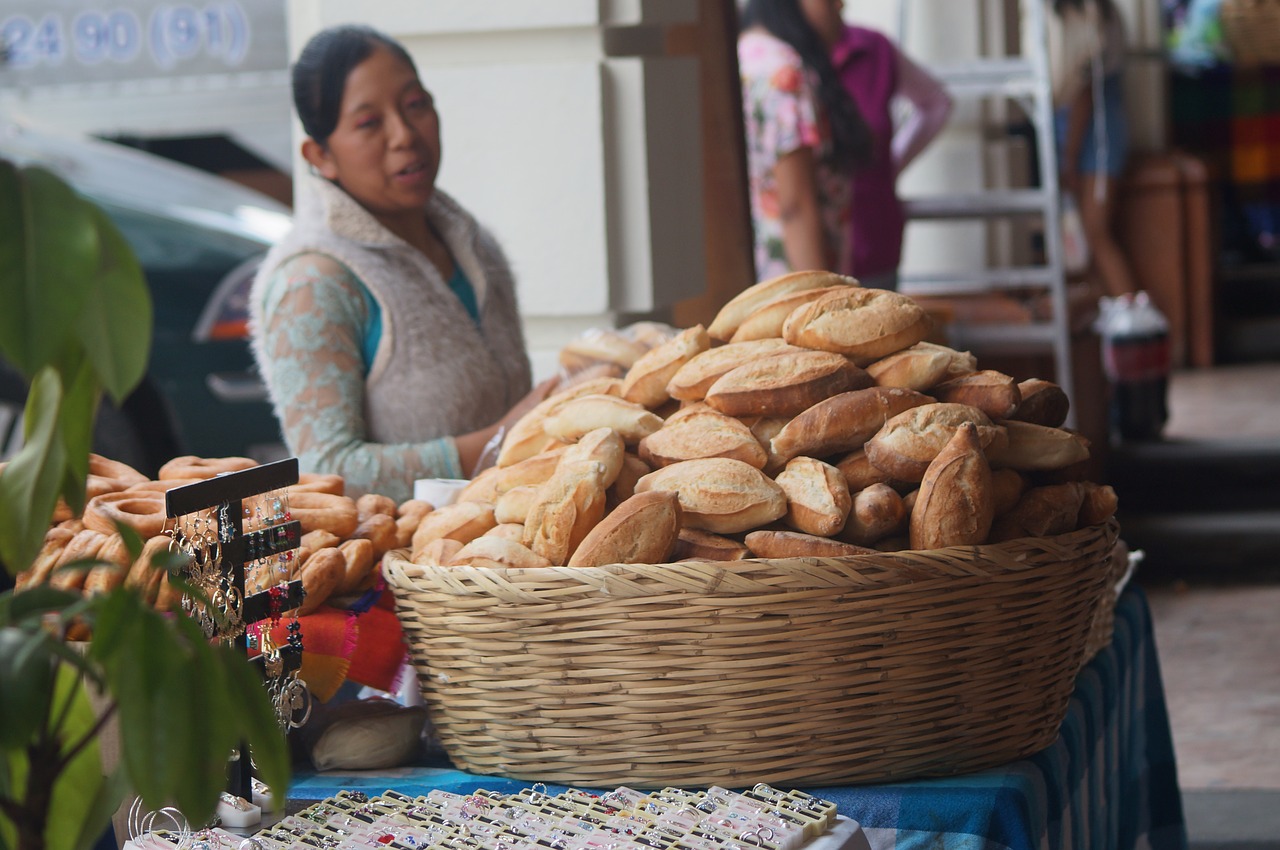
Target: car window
170, 244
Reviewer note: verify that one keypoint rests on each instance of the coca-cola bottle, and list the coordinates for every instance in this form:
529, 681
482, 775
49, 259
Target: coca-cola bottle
1135, 357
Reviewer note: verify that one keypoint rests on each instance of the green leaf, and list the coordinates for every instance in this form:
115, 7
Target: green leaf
26, 680
30, 606
80, 398
143, 680
115, 325
46, 265
77, 788
16, 765
30, 484
111, 793
258, 726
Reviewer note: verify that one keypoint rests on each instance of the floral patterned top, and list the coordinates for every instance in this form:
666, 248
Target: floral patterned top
782, 114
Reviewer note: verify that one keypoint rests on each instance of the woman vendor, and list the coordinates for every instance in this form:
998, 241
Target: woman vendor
385, 323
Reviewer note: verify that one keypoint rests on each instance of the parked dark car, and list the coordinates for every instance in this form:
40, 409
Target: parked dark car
199, 239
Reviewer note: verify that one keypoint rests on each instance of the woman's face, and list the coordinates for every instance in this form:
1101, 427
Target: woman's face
385, 149
824, 16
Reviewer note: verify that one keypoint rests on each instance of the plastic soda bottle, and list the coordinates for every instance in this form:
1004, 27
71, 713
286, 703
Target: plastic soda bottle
1136, 359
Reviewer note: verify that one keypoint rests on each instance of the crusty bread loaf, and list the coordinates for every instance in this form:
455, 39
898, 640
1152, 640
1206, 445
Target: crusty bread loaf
878, 512
1041, 512
646, 381
765, 322
1031, 448
718, 494
696, 544
784, 384
497, 553
1043, 403
818, 500
953, 506
461, 521
1007, 487
633, 469
482, 488
692, 380
909, 442
865, 324
921, 366
775, 543
843, 422
380, 530
568, 506
859, 473
369, 504
701, 432
514, 505
528, 436
601, 345
642, 530
508, 530
994, 393
438, 552
534, 469
321, 576
584, 414
359, 560
1099, 503
604, 446
745, 303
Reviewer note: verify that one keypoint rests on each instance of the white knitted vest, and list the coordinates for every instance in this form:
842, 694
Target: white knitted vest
436, 373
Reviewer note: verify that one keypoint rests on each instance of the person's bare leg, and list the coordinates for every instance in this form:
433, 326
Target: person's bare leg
1096, 215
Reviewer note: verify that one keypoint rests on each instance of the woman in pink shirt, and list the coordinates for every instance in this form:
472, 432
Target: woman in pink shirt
874, 72
804, 138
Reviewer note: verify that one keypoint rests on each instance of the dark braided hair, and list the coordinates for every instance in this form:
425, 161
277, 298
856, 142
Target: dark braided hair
851, 138
320, 73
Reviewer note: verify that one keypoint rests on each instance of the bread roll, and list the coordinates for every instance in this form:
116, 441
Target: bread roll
770, 543
642, 530
909, 442
532, 470
877, 512
699, 433
921, 366
994, 393
380, 530
514, 505
953, 506
843, 422
865, 324
321, 576
603, 446
528, 435
818, 500
374, 503
1099, 504
1038, 447
1043, 403
692, 380
359, 559
509, 530
859, 473
497, 552
720, 495
55, 540
461, 521
578, 417
766, 321
601, 345
646, 381
742, 305
482, 488
567, 507
1041, 512
784, 384
633, 469
695, 544
319, 539
409, 516
438, 552
1007, 486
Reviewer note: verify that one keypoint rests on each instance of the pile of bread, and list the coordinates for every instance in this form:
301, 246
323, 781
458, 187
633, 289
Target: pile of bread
342, 543
811, 418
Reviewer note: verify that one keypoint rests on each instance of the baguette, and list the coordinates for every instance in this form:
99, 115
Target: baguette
865, 324
843, 422
692, 380
953, 506
766, 321
646, 382
772, 543
642, 530
784, 384
742, 305
909, 442
698, 433
921, 366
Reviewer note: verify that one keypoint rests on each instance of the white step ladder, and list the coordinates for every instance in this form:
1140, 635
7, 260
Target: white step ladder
1025, 80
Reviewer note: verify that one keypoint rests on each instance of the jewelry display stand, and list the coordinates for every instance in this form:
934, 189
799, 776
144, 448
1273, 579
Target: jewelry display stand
211, 529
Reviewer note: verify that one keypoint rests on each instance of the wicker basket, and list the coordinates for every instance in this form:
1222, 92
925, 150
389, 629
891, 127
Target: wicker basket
793, 671
1252, 31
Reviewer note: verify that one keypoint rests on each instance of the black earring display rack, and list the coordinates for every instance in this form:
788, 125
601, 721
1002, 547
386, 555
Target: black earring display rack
228, 492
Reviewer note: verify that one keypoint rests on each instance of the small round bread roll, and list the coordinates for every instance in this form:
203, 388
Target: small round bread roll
818, 500
877, 512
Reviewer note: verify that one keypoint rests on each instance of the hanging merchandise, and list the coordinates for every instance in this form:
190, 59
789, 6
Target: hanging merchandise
1136, 359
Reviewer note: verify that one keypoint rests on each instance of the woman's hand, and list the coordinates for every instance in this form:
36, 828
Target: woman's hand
477, 451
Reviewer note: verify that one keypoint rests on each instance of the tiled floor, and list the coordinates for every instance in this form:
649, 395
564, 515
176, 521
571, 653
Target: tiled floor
1219, 641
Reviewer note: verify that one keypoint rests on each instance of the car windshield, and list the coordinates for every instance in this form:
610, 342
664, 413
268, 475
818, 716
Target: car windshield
168, 244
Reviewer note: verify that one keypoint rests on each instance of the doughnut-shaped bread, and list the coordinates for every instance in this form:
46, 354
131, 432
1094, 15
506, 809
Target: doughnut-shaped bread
319, 482
335, 514
145, 514
203, 468
145, 574
324, 571
114, 469
380, 530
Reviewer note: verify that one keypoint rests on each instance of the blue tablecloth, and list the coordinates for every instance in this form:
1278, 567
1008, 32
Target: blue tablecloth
1108, 783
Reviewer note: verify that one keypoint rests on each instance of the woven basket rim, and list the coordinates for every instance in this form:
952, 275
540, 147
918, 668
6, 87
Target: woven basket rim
982, 554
